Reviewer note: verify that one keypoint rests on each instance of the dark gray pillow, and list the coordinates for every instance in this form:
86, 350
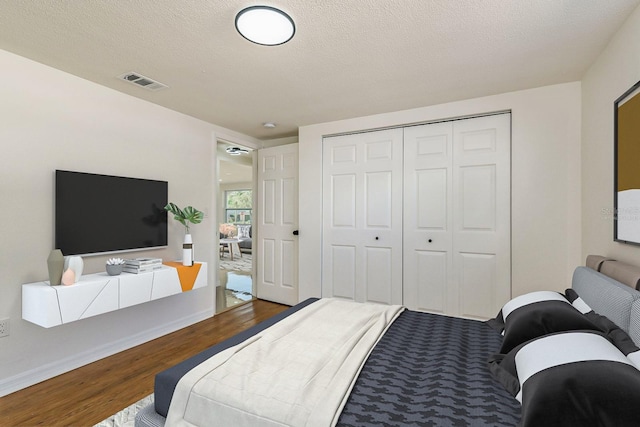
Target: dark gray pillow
574, 378
536, 314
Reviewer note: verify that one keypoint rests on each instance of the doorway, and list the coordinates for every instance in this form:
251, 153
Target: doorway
235, 219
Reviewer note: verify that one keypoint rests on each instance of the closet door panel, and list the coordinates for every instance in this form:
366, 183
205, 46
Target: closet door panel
482, 214
478, 290
431, 272
379, 200
362, 209
344, 271
431, 199
379, 274
343, 201
478, 198
428, 207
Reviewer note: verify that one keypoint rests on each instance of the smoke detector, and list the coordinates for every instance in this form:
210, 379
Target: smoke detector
236, 151
142, 81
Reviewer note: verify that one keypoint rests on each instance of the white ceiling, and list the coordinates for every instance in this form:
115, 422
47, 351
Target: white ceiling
234, 169
348, 58
234, 173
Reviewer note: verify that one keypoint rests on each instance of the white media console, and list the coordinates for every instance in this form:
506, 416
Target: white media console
94, 294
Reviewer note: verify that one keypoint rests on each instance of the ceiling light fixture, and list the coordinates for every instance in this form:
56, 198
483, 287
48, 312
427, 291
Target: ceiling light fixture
269, 125
236, 151
265, 25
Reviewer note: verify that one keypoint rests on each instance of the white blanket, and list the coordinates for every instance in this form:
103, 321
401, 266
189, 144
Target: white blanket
298, 372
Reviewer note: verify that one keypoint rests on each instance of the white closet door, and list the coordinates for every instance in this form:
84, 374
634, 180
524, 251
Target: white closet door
428, 218
482, 214
362, 217
277, 267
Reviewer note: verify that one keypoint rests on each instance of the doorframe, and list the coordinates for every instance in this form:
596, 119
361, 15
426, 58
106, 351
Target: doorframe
230, 137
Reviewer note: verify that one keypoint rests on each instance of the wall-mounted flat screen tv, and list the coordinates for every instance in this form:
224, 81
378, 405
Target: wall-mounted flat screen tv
101, 213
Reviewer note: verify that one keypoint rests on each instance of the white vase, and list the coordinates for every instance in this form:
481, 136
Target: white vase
76, 265
187, 251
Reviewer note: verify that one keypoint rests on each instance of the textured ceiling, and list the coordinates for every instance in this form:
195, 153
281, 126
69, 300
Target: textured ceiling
349, 58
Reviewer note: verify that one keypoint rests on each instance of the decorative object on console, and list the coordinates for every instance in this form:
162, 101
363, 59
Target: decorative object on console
187, 251
186, 216
187, 276
55, 264
142, 265
73, 266
114, 266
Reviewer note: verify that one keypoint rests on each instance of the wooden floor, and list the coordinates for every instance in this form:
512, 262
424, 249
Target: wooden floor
90, 394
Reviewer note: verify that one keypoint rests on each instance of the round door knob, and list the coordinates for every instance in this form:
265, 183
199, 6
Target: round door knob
430, 240
377, 238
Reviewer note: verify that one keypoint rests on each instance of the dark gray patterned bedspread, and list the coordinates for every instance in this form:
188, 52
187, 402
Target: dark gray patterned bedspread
431, 370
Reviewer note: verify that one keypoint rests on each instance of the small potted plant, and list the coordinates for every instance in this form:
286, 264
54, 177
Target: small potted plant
114, 266
186, 216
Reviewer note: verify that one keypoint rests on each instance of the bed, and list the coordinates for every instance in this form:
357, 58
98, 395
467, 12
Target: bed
419, 369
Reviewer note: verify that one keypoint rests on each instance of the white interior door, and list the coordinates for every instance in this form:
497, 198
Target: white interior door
362, 217
428, 217
482, 214
277, 267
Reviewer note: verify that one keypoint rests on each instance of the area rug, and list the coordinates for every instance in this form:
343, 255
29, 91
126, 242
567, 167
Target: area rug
242, 263
127, 416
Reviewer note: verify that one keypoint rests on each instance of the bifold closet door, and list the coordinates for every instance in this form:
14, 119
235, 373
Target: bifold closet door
362, 217
457, 219
482, 214
428, 219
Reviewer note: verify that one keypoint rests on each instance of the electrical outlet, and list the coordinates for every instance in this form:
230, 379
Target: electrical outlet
4, 328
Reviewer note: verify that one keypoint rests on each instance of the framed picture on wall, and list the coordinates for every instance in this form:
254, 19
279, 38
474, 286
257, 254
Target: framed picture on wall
626, 219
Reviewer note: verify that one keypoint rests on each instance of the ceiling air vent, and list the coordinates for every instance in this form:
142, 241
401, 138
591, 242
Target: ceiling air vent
142, 81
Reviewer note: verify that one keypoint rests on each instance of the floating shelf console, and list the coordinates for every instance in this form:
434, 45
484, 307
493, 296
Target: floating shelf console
94, 294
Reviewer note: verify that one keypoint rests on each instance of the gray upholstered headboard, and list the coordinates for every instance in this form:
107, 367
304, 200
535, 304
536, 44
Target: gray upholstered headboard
608, 297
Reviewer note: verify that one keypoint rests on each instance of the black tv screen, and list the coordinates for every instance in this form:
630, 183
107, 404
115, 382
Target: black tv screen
102, 213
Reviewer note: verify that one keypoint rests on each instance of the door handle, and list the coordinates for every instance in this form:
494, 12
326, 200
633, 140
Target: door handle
296, 232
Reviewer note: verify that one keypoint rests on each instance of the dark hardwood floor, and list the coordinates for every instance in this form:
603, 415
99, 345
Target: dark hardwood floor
88, 395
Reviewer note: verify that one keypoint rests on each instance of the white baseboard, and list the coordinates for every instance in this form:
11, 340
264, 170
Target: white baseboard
50, 370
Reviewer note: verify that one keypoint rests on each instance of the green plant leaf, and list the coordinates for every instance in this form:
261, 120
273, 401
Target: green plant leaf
188, 214
193, 215
174, 209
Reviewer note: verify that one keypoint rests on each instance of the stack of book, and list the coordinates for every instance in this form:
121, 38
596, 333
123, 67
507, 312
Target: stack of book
142, 265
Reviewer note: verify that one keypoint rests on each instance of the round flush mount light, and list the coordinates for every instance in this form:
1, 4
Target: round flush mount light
265, 25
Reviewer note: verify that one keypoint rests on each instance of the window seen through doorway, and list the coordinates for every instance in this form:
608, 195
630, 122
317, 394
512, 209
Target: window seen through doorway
238, 206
